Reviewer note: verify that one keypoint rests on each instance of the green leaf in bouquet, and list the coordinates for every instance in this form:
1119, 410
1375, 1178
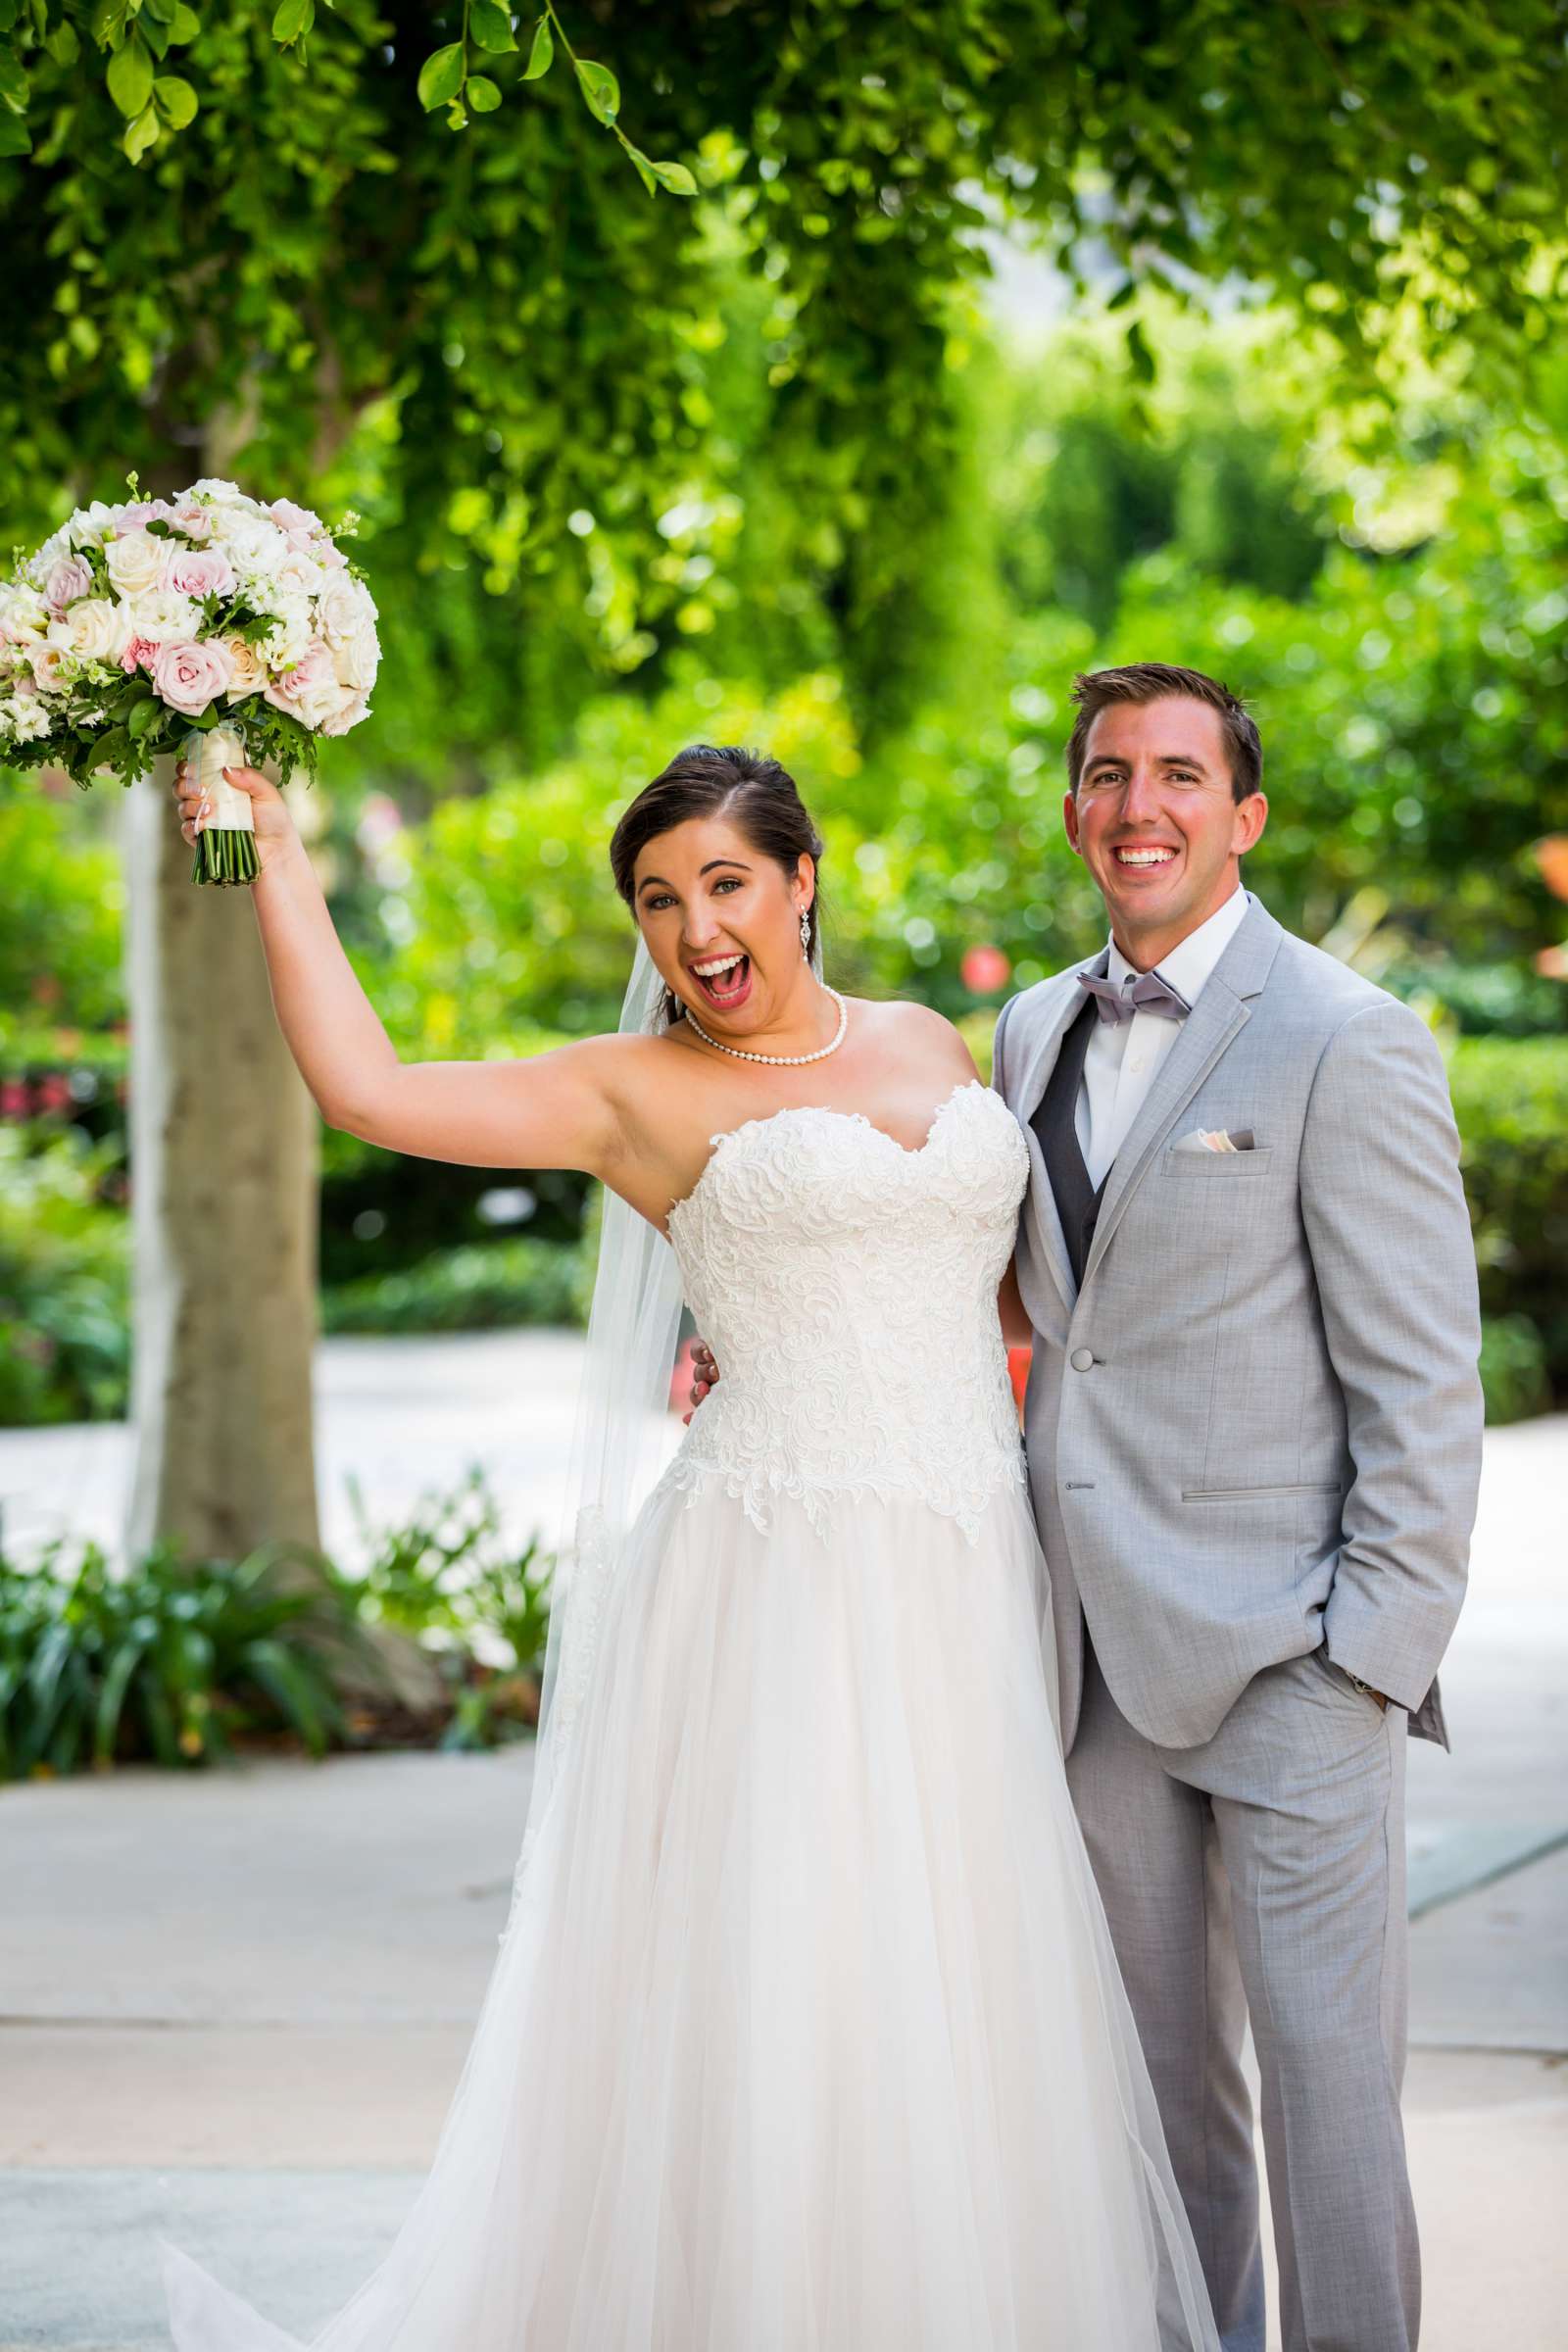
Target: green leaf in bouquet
113, 751
482, 94
176, 100
441, 75
130, 77
600, 89
541, 53
144, 717
491, 25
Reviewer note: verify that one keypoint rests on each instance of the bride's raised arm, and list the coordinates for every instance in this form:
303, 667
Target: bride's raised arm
555, 1110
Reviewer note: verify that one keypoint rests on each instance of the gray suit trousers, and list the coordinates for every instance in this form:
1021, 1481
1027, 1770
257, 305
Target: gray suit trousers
1263, 1871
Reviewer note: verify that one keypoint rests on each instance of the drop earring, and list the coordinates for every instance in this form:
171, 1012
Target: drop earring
805, 934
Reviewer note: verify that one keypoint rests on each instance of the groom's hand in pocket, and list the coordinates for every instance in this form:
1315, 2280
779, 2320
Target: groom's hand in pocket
705, 1375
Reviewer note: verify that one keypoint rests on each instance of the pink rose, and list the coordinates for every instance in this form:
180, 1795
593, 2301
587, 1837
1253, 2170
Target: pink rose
199, 572
310, 691
193, 518
68, 578
142, 509
292, 518
140, 653
330, 555
188, 676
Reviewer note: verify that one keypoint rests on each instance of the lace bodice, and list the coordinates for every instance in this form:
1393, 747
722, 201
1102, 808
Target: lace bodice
848, 1288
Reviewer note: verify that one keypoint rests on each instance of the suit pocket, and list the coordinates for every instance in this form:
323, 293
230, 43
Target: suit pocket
1228, 1166
1251, 1493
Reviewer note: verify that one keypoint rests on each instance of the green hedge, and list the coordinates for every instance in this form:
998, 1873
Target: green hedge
474, 1288
1510, 1098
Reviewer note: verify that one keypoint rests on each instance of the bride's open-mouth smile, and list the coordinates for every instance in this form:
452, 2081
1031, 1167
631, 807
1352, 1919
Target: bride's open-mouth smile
723, 981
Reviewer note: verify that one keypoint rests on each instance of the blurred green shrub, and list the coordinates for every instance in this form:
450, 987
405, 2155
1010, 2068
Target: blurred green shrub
65, 1342
60, 930
1510, 1098
447, 1576
1513, 1369
477, 1288
172, 1662
181, 1662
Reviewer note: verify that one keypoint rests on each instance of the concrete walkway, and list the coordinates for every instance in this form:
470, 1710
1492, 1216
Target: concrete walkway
232, 2007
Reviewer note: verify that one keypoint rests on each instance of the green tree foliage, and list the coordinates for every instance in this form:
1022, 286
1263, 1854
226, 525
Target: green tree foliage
302, 248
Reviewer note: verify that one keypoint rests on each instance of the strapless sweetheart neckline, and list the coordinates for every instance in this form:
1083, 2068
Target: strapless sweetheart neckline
823, 1110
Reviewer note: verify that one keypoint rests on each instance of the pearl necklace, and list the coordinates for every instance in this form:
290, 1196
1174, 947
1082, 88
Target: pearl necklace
781, 1061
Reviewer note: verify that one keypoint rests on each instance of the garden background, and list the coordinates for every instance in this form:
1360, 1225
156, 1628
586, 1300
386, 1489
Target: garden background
834, 376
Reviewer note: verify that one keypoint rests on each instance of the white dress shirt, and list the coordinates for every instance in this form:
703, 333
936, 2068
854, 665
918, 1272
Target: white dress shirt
1123, 1057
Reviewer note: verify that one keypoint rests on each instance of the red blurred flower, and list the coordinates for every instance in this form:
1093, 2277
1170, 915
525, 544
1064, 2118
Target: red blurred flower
983, 970
1551, 855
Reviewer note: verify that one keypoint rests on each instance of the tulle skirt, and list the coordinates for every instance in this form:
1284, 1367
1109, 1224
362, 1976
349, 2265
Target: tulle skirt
806, 2035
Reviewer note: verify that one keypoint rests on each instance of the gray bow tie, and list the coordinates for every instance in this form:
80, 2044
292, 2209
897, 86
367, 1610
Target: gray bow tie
1148, 993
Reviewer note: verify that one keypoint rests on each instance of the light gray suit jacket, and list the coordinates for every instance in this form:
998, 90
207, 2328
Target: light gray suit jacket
1258, 1424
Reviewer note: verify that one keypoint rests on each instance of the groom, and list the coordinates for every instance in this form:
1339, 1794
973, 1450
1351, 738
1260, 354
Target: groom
1254, 1426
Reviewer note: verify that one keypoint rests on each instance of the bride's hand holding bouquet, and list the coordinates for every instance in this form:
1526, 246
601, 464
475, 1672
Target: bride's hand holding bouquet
274, 832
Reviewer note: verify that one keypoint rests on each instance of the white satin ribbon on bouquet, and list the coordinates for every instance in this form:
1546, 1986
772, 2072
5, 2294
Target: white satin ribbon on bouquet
229, 810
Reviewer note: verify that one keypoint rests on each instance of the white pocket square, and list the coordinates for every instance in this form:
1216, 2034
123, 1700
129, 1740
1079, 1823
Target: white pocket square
1217, 1138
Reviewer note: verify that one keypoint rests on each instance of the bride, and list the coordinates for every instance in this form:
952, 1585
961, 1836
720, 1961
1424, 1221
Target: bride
805, 2034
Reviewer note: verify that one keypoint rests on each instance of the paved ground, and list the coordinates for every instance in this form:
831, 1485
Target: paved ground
232, 2007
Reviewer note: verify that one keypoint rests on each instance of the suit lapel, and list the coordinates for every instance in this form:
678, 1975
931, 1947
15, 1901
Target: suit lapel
1223, 1010
1040, 1209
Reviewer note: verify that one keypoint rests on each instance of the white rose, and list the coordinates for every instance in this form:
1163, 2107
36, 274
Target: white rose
252, 545
293, 636
163, 615
135, 561
249, 675
88, 524
48, 661
24, 614
358, 658
339, 607
94, 629
298, 573
56, 546
222, 493
319, 700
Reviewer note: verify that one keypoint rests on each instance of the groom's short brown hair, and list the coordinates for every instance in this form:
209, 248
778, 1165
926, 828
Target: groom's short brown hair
1094, 690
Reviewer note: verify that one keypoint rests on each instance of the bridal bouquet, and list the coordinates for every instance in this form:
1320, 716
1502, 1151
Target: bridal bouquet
207, 624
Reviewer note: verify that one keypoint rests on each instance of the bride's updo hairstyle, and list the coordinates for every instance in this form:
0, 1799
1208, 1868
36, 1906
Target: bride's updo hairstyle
757, 795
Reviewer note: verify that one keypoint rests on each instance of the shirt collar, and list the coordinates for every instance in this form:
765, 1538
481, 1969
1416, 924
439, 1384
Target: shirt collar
1192, 961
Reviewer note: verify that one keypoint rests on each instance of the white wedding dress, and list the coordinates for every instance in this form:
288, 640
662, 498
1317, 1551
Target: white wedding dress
806, 2035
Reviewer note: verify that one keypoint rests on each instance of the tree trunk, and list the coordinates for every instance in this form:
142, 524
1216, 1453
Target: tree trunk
224, 1167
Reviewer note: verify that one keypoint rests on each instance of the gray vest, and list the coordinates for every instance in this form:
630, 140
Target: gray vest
1055, 1126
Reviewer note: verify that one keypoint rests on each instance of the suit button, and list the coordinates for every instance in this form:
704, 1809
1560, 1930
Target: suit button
1081, 1359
